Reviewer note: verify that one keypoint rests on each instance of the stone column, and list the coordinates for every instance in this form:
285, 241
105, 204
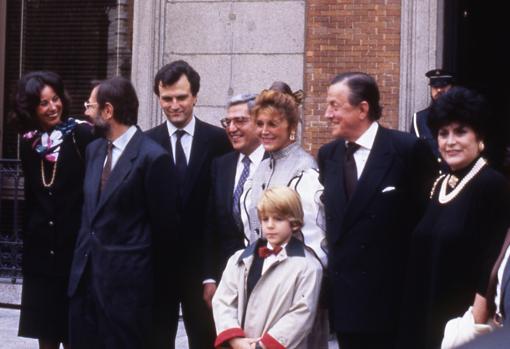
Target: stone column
420, 51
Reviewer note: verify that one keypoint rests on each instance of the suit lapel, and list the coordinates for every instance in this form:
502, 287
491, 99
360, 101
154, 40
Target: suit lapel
93, 179
230, 178
378, 163
121, 169
163, 138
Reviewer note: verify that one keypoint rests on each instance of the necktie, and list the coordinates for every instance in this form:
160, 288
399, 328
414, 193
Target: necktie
180, 156
350, 171
107, 169
265, 252
239, 190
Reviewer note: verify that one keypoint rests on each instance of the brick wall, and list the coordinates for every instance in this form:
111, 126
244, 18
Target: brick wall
349, 35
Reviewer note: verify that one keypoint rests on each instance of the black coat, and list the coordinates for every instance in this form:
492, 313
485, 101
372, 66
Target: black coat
52, 215
223, 236
368, 236
208, 143
121, 231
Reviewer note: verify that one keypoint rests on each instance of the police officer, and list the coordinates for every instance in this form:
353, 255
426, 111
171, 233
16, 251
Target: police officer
440, 81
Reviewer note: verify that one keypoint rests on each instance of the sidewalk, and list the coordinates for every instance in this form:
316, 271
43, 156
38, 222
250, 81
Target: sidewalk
9, 324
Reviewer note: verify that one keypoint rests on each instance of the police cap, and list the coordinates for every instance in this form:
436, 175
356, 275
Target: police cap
439, 78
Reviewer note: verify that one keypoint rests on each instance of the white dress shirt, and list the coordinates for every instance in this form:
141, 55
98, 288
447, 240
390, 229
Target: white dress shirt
120, 144
365, 141
255, 159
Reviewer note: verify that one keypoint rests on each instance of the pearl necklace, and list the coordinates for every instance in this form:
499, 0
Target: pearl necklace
445, 198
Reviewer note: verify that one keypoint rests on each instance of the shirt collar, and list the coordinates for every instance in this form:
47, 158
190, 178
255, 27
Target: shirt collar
366, 140
256, 155
121, 142
189, 128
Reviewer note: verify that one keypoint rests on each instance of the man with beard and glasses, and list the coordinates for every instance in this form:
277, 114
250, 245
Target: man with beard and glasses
127, 230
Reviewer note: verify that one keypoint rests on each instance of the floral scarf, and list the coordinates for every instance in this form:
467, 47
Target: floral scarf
47, 144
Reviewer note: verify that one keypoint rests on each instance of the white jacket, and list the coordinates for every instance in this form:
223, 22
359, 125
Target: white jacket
282, 307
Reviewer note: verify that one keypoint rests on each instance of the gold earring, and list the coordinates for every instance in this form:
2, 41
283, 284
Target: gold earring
481, 146
292, 136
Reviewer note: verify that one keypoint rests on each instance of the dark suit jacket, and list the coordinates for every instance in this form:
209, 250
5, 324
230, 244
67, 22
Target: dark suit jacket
121, 227
208, 143
223, 235
368, 236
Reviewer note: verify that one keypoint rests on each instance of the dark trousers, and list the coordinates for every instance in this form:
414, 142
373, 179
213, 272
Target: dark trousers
99, 326
366, 340
198, 319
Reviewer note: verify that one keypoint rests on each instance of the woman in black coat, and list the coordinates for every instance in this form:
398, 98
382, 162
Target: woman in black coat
458, 239
52, 154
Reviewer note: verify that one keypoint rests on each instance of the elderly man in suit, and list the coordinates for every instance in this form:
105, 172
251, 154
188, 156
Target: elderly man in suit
192, 145
128, 216
225, 234
375, 188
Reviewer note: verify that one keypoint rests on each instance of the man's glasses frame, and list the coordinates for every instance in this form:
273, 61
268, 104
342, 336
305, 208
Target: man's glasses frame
237, 120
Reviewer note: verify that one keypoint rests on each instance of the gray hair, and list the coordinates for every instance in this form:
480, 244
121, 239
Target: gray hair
248, 98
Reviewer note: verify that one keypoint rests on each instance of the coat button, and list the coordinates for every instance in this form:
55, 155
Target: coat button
52, 252
363, 246
51, 223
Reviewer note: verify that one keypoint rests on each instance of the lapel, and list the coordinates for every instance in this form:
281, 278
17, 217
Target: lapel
493, 278
378, 163
229, 179
121, 170
163, 138
335, 180
199, 153
93, 178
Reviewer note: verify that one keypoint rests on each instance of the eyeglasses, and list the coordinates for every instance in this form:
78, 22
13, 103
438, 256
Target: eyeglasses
88, 105
237, 120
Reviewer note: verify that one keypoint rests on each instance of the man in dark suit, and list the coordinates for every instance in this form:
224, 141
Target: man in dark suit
129, 213
192, 144
375, 188
225, 233
440, 81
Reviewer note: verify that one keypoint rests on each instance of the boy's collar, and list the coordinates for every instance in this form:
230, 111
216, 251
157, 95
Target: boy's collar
294, 248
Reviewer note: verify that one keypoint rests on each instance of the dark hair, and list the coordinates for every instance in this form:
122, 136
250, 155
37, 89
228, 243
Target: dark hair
28, 97
270, 101
461, 105
362, 88
170, 73
121, 94
283, 87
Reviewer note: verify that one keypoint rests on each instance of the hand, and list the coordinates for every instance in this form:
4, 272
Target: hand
243, 343
209, 291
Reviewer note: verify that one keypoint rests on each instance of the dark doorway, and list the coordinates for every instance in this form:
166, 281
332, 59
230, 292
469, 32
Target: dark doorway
474, 50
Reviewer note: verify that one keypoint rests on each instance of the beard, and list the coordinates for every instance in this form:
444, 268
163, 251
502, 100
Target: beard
101, 128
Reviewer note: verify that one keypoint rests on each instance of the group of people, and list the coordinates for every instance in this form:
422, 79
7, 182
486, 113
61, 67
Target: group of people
259, 244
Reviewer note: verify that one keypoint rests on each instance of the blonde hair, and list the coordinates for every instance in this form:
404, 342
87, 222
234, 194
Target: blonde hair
282, 201
275, 102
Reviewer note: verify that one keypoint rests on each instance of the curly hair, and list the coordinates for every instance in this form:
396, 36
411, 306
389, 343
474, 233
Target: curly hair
270, 101
28, 97
460, 105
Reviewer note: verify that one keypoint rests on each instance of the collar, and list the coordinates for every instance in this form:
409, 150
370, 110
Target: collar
189, 128
256, 156
294, 248
366, 140
279, 154
121, 142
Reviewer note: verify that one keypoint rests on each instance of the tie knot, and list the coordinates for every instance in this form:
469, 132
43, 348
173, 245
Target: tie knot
180, 133
246, 161
352, 147
109, 146
264, 251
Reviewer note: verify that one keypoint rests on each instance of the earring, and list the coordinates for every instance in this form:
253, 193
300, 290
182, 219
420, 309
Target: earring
481, 146
292, 136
